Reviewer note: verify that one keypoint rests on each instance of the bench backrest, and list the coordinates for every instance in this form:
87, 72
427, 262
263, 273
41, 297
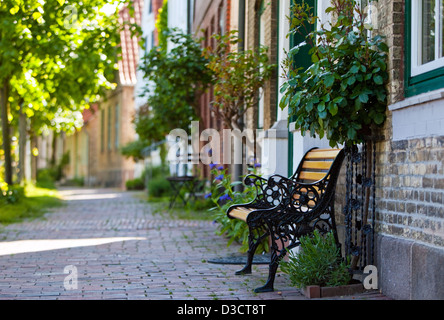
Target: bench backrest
316, 164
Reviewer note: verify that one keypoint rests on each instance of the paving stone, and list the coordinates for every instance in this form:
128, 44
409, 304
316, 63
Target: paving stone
127, 252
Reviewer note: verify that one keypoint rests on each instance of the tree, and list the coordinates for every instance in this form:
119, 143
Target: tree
343, 94
238, 76
55, 59
176, 78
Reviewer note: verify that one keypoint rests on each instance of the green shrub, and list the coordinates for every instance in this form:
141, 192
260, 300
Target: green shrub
158, 187
46, 178
223, 195
135, 184
11, 194
317, 263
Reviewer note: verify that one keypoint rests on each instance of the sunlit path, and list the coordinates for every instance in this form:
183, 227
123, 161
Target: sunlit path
26, 246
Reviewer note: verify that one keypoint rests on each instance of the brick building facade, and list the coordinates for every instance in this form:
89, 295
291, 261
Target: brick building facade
410, 157
95, 155
210, 17
410, 164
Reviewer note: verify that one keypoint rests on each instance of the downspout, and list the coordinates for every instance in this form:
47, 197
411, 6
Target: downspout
238, 168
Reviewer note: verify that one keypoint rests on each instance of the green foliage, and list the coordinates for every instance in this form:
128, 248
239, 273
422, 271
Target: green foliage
135, 184
157, 185
133, 149
342, 95
317, 263
46, 178
10, 194
223, 195
56, 57
162, 25
237, 75
176, 77
31, 202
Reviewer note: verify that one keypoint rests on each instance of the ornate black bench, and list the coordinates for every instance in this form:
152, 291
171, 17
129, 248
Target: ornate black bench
287, 208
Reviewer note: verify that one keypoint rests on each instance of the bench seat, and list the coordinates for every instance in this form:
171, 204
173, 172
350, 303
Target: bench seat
240, 213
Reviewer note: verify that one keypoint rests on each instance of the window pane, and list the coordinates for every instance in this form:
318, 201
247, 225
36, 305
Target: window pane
441, 18
428, 31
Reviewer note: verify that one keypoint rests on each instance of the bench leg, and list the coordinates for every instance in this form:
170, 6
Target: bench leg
253, 243
276, 256
269, 285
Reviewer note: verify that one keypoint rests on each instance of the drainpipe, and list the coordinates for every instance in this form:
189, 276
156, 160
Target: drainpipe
241, 45
238, 168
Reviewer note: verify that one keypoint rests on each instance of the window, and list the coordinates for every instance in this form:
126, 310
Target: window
102, 130
427, 36
261, 105
116, 126
424, 37
222, 19
109, 128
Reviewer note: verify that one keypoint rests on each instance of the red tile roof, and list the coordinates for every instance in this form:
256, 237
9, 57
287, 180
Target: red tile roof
130, 46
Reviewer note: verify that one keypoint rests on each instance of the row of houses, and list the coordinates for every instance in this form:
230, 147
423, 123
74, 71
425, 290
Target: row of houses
409, 158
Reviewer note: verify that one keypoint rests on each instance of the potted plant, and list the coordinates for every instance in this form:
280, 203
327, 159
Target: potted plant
319, 269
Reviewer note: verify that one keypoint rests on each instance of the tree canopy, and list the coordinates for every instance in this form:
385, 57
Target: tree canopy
175, 79
55, 59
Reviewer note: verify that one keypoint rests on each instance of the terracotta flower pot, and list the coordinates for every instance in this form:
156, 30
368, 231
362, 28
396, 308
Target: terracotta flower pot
313, 292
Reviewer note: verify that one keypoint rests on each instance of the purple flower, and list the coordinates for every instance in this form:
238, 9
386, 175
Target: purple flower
208, 195
212, 166
225, 197
219, 177
257, 165
220, 168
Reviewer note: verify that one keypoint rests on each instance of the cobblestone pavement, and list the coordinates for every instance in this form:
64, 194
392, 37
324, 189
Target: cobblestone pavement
120, 249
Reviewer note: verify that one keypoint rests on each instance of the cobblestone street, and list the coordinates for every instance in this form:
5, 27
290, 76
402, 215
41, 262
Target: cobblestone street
120, 249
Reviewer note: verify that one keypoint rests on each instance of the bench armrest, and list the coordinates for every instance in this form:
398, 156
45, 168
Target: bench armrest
253, 179
299, 197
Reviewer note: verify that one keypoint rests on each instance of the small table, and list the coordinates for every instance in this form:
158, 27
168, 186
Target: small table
188, 183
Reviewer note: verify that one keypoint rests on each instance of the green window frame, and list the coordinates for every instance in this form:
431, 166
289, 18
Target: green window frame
417, 83
304, 60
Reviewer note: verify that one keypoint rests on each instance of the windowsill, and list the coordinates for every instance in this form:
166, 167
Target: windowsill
278, 131
418, 99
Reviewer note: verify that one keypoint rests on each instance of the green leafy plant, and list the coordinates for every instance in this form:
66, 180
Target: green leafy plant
223, 195
237, 77
176, 78
135, 184
342, 95
56, 58
317, 263
10, 194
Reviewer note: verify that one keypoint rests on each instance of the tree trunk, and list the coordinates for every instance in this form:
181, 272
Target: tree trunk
33, 139
53, 161
22, 145
4, 93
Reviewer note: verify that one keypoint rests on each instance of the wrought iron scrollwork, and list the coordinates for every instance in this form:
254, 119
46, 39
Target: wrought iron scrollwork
267, 195
359, 208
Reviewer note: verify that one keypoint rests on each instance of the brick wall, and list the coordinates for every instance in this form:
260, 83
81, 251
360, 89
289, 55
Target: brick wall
409, 186
410, 171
